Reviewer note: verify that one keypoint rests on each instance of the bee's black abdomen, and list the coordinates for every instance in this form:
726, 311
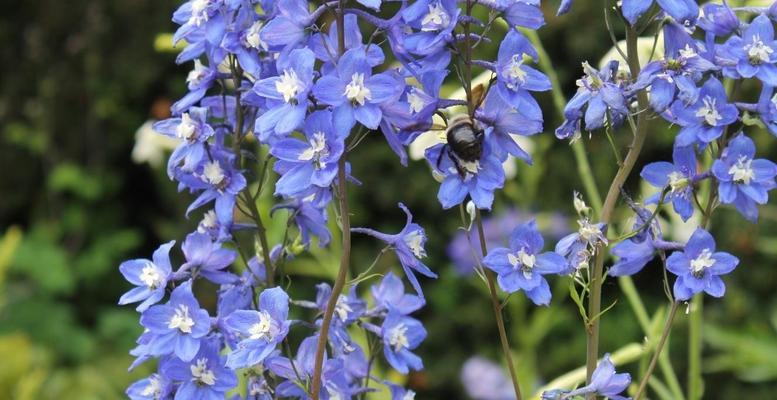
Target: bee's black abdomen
465, 140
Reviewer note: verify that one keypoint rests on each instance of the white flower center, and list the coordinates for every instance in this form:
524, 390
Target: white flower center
742, 172
415, 240
436, 19
333, 393
757, 51
416, 102
522, 260
688, 52
342, 309
154, 387
677, 181
187, 129
591, 79
262, 329
702, 262
209, 221
317, 151
355, 91
213, 173
201, 374
515, 72
398, 337
709, 112
181, 320
252, 36
197, 73
151, 276
199, 12
409, 395
589, 232
289, 85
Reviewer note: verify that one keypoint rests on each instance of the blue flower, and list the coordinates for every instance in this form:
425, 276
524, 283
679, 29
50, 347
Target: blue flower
677, 73
718, 19
753, 54
155, 387
401, 334
193, 129
411, 114
286, 94
204, 376
564, 7
260, 331
767, 108
684, 11
602, 94
433, 22
218, 180
580, 246
390, 293
334, 383
704, 120
634, 255
514, 78
325, 46
699, 267
355, 93
239, 295
484, 379
519, 13
348, 309
289, 26
503, 119
400, 393
310, 221
207, 259
218, 231
201, 21
199, 80
409, 247
243, 39
477, 179
310, 162
177, 327
678, 177
522, 266
149, 276
743, 180
605, 382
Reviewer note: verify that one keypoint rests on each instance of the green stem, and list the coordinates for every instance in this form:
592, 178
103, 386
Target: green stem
261, 232
639, 310
695, 382
560, 101
595, 300
659, 347
345, 223
497, 308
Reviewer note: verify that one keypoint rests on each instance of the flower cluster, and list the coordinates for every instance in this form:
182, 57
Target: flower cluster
280, 75
685, 87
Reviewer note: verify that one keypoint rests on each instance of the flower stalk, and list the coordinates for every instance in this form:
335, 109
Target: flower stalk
613, 194
345, 225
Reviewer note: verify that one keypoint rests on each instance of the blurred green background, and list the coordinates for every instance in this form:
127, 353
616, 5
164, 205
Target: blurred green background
80, 78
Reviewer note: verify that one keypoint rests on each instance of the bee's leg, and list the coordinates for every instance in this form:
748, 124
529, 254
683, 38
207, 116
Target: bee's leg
456, 163
444, 149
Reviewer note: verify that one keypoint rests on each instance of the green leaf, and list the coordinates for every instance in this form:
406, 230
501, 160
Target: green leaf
71, 178
45, 263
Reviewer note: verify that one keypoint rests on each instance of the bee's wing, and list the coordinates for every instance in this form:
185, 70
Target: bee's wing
478, 95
